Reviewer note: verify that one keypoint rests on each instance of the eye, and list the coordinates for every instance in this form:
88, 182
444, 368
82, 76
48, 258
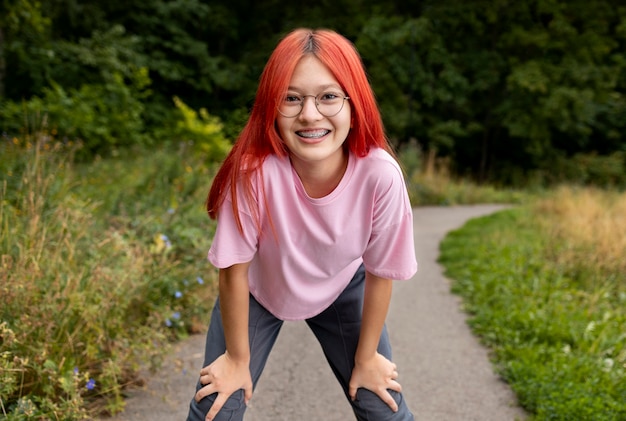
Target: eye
292, 98
330, 96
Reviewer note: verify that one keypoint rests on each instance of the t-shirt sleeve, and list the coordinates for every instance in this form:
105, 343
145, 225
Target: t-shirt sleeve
230, 246
390, 252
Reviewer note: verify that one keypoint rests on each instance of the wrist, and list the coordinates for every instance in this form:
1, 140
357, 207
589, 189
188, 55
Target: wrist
363, 357
242, 358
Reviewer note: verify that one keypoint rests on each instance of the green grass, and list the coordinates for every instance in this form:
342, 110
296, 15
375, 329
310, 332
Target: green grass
558, 339
102, 266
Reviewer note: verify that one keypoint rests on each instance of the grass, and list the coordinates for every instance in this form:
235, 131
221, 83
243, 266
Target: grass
545, 287
102, 266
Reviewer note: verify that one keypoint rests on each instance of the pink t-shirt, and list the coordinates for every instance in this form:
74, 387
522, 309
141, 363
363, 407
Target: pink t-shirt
319, 243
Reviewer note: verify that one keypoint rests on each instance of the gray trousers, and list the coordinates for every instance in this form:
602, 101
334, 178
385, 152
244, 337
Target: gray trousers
337, 329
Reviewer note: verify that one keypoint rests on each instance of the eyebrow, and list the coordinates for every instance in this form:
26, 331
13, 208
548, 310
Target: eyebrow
321, 87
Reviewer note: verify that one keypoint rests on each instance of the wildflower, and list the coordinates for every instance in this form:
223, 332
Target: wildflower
176, 315
166, 240
76, 371
168, 323
91, 384
200, 280
185, 282
178, 294
171, 211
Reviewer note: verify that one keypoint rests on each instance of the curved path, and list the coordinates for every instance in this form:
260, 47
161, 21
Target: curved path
444, 371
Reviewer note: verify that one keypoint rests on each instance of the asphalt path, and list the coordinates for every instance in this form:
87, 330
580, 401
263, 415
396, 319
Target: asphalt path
445, 372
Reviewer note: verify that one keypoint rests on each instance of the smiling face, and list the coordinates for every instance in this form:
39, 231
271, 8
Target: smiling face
314, 141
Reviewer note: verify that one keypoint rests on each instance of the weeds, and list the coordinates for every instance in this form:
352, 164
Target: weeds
545, 289
101, 267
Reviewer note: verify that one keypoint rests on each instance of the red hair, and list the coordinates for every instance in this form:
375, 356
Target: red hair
260, 137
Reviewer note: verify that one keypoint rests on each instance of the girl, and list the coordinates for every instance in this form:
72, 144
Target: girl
314, 222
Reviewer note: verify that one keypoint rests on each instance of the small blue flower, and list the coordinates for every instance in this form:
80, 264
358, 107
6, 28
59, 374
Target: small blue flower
171, 211
178, 294
176, 315
166, 240
185, 282
91, 384
76, 371
168, 323
200, 280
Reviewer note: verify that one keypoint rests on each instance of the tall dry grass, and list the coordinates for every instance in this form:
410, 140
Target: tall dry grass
430, 182
91, 290
587, 228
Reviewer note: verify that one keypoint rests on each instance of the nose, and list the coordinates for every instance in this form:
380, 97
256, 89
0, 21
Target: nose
309, 109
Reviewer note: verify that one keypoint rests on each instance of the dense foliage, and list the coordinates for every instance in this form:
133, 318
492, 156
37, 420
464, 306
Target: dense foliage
509, 91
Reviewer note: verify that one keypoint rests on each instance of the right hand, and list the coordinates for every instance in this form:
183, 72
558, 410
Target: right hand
224, 376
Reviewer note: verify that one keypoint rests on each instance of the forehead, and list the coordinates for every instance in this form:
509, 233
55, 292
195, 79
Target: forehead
311, 74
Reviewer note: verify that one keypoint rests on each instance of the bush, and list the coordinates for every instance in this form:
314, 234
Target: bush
590, 170
102, 265
99, 116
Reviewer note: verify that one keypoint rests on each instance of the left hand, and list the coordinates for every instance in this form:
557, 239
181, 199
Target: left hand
376, 374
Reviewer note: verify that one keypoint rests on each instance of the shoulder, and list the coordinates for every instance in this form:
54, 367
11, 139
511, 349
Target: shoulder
379, 166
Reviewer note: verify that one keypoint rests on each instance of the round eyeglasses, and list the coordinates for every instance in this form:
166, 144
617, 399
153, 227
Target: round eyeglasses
329, 104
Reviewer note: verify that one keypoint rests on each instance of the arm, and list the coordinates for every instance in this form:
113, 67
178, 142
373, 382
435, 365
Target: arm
231, 371
372, 370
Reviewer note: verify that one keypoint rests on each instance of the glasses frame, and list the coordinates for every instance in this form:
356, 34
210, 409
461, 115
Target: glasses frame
317, 105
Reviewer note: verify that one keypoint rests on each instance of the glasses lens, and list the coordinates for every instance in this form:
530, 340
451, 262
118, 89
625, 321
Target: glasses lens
291, 105
328, 104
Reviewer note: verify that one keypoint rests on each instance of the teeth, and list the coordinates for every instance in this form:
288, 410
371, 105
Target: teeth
312, 134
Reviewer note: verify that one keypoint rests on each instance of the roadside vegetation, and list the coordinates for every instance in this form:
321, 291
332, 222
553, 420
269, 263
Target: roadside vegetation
102, 266
545, 287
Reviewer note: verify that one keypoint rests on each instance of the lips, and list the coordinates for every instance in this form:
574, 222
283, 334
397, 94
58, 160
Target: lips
312, 134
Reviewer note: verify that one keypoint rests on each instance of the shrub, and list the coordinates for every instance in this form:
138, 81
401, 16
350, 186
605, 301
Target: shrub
92, 288
100, 116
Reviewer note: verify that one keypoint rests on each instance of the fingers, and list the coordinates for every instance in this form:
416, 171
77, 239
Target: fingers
217, 405
352, 392
389, 400
204, 392
247, 394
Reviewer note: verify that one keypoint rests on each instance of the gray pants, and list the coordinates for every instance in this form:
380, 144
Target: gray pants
337, 329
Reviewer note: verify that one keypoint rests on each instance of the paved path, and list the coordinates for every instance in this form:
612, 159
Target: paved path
445, 373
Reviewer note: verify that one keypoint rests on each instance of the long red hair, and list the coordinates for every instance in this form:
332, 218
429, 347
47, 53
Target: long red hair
260, 136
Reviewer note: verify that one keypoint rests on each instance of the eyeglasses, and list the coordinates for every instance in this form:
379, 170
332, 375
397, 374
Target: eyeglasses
329, 104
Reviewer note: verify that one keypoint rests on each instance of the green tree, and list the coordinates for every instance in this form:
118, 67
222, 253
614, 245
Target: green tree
24, 44
498, 85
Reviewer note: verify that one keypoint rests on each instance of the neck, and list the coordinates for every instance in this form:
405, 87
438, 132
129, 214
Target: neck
320, 180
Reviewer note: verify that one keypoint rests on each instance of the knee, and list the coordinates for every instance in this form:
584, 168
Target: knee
369, 407
233, 408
